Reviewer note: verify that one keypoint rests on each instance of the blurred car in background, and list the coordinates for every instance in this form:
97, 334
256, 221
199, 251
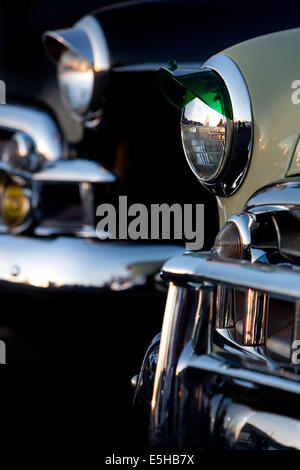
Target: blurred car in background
226, 375
78, 308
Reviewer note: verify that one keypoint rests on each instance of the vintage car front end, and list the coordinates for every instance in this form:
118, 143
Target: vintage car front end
52, 181
227, 370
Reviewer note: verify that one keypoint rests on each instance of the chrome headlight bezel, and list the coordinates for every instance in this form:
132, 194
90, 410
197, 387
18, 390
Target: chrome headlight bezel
219, 85
87, 41
238, 153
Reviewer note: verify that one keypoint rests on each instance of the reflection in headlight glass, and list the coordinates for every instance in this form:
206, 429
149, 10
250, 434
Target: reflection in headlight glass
76, 81
204, 138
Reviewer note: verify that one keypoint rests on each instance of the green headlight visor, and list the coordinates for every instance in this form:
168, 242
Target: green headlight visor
181, 86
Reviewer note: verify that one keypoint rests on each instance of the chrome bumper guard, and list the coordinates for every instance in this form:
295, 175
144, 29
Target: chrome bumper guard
217, 384
78, 264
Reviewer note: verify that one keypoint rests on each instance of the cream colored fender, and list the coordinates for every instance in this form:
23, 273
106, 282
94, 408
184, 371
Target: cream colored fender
270, 65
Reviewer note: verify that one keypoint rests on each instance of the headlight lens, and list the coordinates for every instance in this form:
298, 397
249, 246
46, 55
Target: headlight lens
205, 133
76, 81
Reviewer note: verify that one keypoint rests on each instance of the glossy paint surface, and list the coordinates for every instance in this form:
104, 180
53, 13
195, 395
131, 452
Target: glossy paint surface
269, 65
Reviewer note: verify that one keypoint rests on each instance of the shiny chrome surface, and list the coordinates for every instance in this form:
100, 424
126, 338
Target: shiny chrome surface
73, 39
246, 348
255, 320
281, 202
246, 428
94, 31
84, 173
86, 38
224, 307
87, 200
86, 231
145, 379
279, 196
134, 382
83, 263
280, 281
218, 365
244, 224
221, 421
294, 167
153, 66
75, 171
40, 134
239, 158
19, 152
191, 307
231, 420
166, 362
214, 348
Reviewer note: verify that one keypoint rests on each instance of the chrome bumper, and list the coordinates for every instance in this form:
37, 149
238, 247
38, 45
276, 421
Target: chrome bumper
78, 264
212, 387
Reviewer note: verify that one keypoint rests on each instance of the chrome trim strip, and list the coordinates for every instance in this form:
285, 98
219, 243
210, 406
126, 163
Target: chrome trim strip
166, 362
243, 427
86, 38
95, 33
255, 319
224, 307
75, 171
244, 224
154, 66
73, 39
205, 413
237, 162
217, 365
229, 342
178, 312
148, 369
278, 196
281, 201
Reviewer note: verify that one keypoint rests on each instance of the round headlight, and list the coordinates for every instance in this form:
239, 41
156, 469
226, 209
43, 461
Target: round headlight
206, 137
76, 81
83, 63
216, 120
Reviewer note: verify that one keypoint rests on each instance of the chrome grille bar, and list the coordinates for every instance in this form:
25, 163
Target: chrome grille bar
281, 282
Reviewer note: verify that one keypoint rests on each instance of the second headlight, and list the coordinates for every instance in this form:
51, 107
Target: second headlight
83, 62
